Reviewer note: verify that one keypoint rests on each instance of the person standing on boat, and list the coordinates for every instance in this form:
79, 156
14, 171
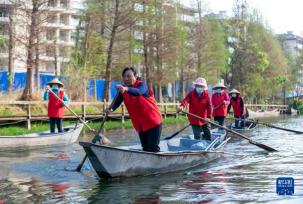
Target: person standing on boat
237, 103
220, 101
142, 108
199, 104
55, 107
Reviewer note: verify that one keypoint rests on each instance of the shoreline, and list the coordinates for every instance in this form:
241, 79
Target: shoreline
108, 125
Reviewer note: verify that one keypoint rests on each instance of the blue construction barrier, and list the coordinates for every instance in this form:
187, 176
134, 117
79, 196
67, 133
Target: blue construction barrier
20, 81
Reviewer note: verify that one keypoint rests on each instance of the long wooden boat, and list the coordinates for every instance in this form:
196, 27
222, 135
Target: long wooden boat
175, 154
38, 140
263, 114
247, 131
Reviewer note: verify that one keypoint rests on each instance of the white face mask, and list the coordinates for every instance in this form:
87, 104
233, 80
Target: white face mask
234, 95
55, 87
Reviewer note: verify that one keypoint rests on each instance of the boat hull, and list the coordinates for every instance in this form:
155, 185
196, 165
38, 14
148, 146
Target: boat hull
111, 162
246, 132
38, 140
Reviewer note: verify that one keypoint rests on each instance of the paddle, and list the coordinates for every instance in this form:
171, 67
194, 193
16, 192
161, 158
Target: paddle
265, 147
176, 133
104, 140
273, 126
97, 136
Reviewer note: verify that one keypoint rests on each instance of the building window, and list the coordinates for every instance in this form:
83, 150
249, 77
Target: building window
138, 35
3, 12
138, 7
50, 51
64, 4
64, 19
52, 3
64, 36
52, 18
51, 34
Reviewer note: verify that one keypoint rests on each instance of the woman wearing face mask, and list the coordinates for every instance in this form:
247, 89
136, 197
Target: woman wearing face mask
220, 101
199, 104
142, 108
55, 107
237, 103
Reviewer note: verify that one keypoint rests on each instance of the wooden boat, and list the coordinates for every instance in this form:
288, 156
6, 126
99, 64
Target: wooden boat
247, 131
176, 154
263, 114
38, 140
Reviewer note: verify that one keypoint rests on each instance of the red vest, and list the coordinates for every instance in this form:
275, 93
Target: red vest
55, 107
216, 100
198, 105
236, 104
143, 111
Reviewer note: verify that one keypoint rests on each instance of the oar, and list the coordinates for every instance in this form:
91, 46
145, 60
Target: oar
176, 133
273, 126
104, 139
265, 147
79, 167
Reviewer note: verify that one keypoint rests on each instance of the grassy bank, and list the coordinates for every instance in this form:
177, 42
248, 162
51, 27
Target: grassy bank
109, 125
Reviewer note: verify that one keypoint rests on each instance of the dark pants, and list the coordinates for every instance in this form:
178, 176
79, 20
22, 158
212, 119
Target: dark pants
53, 122
150, 139
220, 120
198, 129
239, 122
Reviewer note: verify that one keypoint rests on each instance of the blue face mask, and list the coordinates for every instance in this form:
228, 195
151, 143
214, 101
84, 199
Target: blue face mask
218, 91
199, 90
55, 87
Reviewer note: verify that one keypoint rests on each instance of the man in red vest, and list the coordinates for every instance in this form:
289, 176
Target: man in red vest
199, 104
237, 103
220, 100
142, 108
55, 107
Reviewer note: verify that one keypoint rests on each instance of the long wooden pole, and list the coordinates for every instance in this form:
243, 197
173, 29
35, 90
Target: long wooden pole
97, 136
265, 147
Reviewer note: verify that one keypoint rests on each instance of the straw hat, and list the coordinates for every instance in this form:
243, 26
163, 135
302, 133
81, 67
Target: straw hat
234, 91
55, 81
219, 85
200, 81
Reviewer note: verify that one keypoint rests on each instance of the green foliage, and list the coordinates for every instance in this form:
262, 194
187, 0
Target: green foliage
298, 105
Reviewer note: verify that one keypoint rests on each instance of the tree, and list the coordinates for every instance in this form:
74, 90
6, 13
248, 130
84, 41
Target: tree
34, 14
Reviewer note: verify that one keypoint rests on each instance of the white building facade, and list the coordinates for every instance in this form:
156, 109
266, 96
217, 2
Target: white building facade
55, 35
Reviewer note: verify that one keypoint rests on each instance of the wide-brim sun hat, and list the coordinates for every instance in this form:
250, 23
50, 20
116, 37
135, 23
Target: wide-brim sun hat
55, 81
219, 85
200, 81
234, 91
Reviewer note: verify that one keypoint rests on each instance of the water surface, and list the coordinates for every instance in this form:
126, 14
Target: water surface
45, 176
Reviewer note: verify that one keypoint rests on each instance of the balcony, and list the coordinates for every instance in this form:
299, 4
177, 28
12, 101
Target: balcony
4, 19
3, 55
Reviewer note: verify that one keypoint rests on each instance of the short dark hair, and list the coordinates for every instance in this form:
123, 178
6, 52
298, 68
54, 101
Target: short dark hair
129, 68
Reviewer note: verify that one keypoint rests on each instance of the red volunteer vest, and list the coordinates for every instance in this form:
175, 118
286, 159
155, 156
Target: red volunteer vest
55, 107
216, 100
143, 111
237, 107
200, 106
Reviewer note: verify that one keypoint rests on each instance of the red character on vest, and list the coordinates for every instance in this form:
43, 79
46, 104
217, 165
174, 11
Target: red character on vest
142, 108
220, 100
55, 107
237, 103
199, 104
